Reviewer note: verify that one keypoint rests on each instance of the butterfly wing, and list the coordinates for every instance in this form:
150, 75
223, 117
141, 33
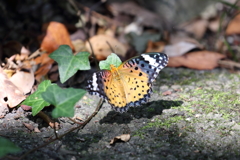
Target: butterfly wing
105, 85
133, 86
137, 75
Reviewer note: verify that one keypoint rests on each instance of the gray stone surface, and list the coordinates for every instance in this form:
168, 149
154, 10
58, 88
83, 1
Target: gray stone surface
199, 120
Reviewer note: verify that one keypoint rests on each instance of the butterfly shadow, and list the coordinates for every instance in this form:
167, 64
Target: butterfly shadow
145, 111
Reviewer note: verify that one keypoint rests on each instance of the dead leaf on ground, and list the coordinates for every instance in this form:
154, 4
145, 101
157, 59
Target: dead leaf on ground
44, 69
166, 93
155, 46
147, 17
233, 26
79, 45
197, 60
102, 49
123, 137
29, 126
179, 48
196, 27
23, 80
56, 35
9, 94
26, 108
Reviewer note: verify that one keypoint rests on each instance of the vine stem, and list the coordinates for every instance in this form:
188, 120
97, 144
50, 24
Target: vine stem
81, 126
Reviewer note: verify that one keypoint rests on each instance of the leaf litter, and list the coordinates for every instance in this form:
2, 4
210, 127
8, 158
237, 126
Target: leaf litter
130, 30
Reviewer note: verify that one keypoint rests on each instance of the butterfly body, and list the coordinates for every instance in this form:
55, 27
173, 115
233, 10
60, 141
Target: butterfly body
128, 85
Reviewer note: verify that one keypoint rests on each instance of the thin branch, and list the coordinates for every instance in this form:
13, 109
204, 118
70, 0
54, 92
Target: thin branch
69, 131
110, 47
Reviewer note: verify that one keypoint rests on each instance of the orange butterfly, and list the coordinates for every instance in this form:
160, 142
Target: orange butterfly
128, 85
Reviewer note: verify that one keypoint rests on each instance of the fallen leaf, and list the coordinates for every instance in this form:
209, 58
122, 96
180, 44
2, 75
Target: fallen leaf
79, 45
23, 80
179, 48
214, 24
196, 27
147, 17
29, 126
166, 93
103, 45
155, 46
3, 109
36, 130
123, 137
197, 60
43, 70
9, 94
233, 26
56, 35
26, 107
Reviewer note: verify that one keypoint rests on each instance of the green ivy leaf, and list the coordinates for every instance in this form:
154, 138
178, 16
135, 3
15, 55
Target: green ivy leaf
63, 99
6, 147
35, 100
111, 59
68, 63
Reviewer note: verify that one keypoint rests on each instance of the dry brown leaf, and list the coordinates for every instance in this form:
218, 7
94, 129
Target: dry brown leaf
155, 46
29, 126
43, 70
146, 17
23, 80
197, 60
166, 93
196, 27
179, 48
79, 45
123, 137
102, 49
233, 26
56, 35
36, 130
9, 94
214, 24
26, 108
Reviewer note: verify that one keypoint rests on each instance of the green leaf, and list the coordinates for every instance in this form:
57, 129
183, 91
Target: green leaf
63, 99
35, 100
6, 147
68, 63
111, 59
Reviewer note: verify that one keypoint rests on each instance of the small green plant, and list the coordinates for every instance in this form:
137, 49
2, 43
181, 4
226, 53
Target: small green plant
6, 147
48, 93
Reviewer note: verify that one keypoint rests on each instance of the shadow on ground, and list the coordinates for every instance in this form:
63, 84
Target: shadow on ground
145, 111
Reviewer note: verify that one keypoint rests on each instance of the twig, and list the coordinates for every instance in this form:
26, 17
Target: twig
110, 47
69, 131
78, 12
74, 121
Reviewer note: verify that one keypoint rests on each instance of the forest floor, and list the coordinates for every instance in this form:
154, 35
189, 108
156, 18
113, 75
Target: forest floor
191, 115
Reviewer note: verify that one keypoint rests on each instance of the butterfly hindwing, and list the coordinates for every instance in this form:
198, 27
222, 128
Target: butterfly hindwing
96, 84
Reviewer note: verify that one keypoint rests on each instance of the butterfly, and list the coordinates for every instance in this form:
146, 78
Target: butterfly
130, 84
